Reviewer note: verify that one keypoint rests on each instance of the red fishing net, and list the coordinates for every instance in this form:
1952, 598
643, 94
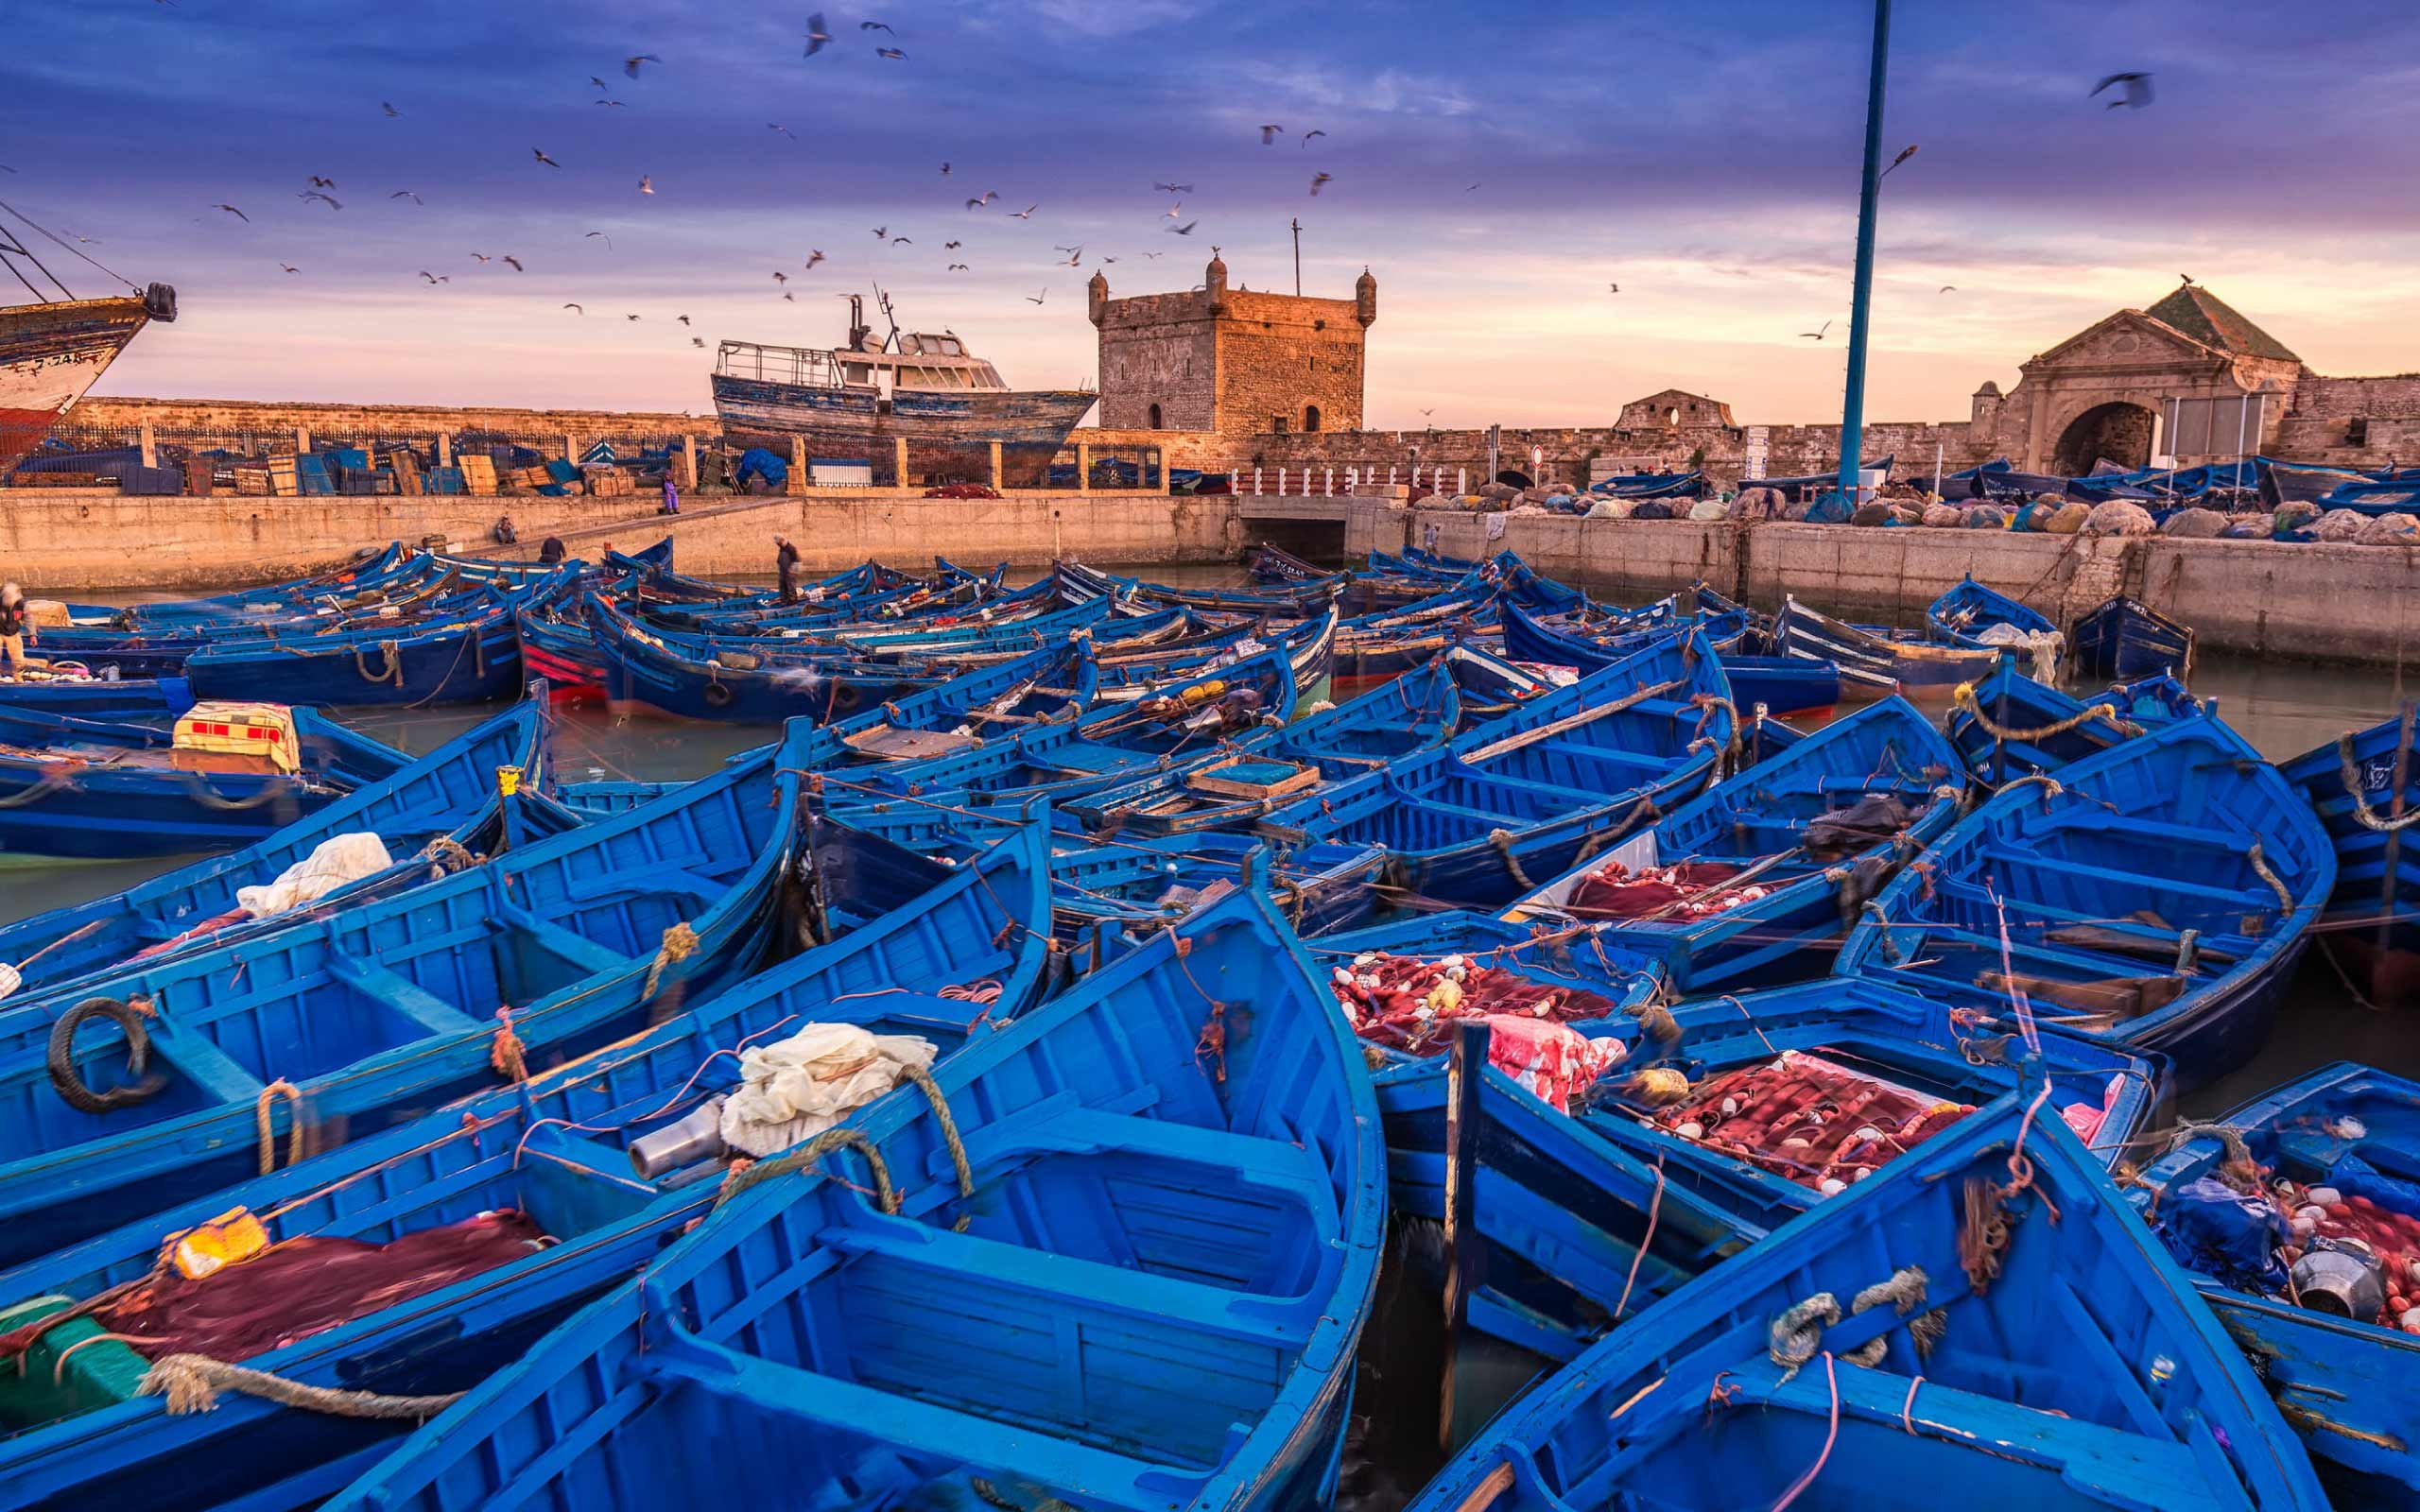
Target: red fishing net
2390, 1238
1411, 1005
300, 1287
1815, 1121
1686, 889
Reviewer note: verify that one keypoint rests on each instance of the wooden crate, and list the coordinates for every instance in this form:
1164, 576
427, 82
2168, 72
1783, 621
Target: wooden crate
252, 481
1252, 777
478, 473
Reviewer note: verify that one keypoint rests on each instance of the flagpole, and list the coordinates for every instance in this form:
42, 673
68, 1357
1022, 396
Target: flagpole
1861, 300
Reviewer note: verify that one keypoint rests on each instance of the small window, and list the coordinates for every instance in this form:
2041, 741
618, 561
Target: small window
2357, 431
1310, 418
1155, 418
1277, 424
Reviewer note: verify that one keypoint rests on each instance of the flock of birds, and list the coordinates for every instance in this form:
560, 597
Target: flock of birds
2134, 91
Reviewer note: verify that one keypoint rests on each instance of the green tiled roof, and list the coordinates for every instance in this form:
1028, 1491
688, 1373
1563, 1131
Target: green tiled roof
2212, 321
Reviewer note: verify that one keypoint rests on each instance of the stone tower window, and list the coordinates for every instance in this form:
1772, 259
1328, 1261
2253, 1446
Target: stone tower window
1155, 418
1311, 417
1277, 424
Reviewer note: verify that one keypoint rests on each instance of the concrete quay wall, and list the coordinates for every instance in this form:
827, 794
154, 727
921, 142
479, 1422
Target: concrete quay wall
2356, 604
61, 542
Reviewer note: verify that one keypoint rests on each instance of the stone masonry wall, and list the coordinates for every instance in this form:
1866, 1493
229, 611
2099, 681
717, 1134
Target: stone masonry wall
1280, 356
1158, 348
333, 419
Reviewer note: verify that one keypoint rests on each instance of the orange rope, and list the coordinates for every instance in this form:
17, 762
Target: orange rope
509, 1056
261, 1119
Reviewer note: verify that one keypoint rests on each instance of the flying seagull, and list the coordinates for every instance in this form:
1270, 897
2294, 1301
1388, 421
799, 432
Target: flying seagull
876, 25
944, 170
682, 318
813, 257
481, 257
896, 241
1905, 153
891, 53
405, 193
1613, 289
2136, 93
1307, 135
1816, 336
1037, 299
2187, 278
647, 183
881, 232
426, 274
1319, 178
816, 36
1269, 133
334, 203
959, 267
780, 277
514, 264
1174, 211
389, 109
233, 210
1174, 188
1949, 289
574, 309
787, 295
1185, 230
289, 268
594, 235
697, 341
776, 126
630, 317
615, 104
950, 246
599, 83
319, 182
1027, 214
631, 64
539, 153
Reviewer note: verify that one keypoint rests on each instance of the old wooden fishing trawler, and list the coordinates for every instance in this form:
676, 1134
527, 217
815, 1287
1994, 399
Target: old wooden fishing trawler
53, 349
853, 402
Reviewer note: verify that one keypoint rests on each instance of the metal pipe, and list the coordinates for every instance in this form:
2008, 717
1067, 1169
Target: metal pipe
1861, 300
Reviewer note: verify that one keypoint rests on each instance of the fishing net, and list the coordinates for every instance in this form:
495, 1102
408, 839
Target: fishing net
233, 1309
1807, 1118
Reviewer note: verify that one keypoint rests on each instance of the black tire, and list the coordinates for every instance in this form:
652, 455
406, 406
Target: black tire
60, 1059
718, 696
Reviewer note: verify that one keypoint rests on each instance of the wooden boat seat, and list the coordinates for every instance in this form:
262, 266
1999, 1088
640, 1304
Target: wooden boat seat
2080, 817
584, 956
196, 1059
911, 1427
399, 992
656, 878
2135, 883
2123, 936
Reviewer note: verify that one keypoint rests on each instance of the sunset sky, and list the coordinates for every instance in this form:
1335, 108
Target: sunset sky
1702, 155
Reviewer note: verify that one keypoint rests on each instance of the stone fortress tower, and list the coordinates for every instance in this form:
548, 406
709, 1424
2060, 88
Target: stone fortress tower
1231, 361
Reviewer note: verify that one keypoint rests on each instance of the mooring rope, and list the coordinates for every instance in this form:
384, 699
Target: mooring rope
1963, 697
2366, 815
261, 1117
193, 1381
679, 942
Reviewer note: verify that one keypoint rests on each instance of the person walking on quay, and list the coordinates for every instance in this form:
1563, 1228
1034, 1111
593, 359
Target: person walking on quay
671, 496
16, 629
786, 563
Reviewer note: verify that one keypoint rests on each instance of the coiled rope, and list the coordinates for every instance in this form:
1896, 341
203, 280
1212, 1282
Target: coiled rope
393, 654
263, 1122
679, 942
2260, 869
840, 1137
193, 1381
447, 854
2366, 815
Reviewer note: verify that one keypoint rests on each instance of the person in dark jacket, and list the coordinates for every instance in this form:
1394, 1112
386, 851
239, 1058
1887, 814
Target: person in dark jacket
786, 563
552, 551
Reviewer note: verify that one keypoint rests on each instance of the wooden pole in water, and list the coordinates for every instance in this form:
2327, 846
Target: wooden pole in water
1465, 1070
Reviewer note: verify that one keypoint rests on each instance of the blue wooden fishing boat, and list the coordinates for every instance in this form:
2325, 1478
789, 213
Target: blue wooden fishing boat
97, 698
466, 654
1294, 601
1631, 979
2365, 789
1589, 637
1161, 1245
1757, 880
448, 794
1876, 659
594, 1166
2006, 725
1973, 614
2125, 639
131, 788
1531, 794
2340, 1363
2157, 895
345, 1024
649, 672
1268, 768
1984, 1320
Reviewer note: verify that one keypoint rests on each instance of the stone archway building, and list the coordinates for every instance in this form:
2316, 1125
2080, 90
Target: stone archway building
2116, 386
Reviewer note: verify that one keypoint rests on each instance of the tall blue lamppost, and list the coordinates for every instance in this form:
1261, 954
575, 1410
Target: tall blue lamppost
1861, 297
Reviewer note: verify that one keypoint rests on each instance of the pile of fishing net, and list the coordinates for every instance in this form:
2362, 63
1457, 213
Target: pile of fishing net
2194, 522
2118, 516
223, 1291
2357, 1226
1684, 890
1409, 1004
1801, 1116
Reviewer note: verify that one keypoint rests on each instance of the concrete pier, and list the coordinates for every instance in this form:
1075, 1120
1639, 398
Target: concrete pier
2354, 603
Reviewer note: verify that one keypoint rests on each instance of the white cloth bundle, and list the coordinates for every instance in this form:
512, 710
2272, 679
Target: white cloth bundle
797, 1088
336, 860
